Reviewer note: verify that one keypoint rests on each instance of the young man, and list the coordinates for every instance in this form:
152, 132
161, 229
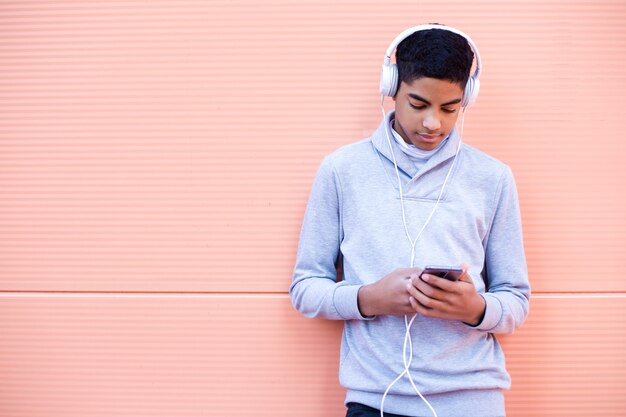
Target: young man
412, 195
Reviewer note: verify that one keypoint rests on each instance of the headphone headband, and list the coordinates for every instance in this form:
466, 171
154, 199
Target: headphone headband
402, 36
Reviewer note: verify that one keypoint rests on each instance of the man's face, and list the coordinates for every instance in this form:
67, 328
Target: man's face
426, 111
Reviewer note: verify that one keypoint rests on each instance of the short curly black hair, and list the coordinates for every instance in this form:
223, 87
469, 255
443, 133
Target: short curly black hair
434, 53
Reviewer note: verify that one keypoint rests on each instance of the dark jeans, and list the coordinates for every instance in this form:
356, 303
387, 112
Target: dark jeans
360, 410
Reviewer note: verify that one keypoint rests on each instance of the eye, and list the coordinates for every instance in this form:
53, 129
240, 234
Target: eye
417, 107
449, 110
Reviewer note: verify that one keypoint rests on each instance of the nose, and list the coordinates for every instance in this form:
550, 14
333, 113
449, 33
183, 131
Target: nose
431, 122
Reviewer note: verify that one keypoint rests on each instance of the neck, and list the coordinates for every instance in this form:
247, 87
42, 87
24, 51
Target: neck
401, 131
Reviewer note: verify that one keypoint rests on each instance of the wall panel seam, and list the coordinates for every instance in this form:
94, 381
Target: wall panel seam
130, 294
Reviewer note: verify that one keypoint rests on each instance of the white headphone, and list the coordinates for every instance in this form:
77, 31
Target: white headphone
389, 77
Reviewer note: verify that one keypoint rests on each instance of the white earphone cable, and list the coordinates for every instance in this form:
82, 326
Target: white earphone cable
408, 324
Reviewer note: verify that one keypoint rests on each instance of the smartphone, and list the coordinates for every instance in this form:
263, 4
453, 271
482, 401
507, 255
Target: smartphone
451, 273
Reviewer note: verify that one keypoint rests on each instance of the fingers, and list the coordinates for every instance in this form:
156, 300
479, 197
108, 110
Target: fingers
424, 310
425, 297
420, 287
414, 305
465, 277
434, 282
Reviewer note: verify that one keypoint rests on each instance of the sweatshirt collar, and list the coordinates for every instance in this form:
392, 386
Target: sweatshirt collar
379, 140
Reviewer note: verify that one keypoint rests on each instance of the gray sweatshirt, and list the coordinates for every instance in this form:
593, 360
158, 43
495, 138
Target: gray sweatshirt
354, 216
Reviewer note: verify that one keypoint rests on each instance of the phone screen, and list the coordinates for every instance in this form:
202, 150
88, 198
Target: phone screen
452, 273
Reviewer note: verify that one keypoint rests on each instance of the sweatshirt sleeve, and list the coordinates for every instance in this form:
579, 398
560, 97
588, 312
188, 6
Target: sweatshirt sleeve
314, 290
505, 273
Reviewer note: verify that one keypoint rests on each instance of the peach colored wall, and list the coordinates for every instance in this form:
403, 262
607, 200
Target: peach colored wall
156, 157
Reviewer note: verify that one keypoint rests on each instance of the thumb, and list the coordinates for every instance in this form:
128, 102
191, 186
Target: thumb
465, 276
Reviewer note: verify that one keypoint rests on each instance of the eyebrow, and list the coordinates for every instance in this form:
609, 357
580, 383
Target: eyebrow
416, 97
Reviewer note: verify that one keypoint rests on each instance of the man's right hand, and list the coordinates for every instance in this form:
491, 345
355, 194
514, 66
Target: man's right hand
389, 295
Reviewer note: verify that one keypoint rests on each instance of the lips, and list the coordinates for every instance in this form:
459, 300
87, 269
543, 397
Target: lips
428, 137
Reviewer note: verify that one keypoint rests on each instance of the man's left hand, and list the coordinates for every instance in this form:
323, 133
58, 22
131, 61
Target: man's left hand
432, 296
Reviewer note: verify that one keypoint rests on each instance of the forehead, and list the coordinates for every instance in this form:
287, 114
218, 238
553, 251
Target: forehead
433, 89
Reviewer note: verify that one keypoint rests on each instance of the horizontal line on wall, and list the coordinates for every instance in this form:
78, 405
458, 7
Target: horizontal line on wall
581, 295
133, 294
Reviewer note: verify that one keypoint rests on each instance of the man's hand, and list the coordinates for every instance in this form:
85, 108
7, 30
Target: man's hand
432, 296
389, 295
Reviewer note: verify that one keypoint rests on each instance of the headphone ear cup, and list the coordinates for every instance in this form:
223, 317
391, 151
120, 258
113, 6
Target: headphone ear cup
394, 80
471, 91
389, 80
